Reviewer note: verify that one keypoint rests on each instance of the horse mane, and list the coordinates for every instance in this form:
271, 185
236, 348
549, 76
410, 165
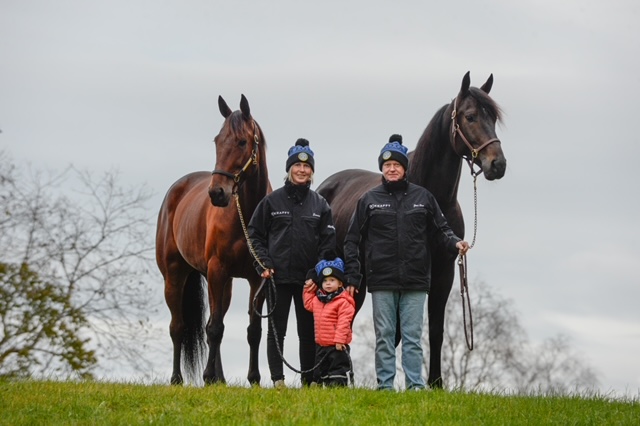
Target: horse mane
487, 102
237, 123
426, 150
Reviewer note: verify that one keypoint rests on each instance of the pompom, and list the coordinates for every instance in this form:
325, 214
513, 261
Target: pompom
395, 138
300, 152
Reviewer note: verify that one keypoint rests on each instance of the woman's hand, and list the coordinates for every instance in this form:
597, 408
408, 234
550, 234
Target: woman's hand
267, 273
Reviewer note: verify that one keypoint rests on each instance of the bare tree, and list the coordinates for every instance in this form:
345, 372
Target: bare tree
554, 367
503, 359
93, 240
499, 341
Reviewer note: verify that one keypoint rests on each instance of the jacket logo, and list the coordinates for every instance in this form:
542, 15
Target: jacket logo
315, 215
280, 213
418, 205
379, 206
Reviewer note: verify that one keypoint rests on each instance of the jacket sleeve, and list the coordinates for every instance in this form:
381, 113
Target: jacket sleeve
327, 242
308, 296
346, 312
352, 241
258, 231
439, 229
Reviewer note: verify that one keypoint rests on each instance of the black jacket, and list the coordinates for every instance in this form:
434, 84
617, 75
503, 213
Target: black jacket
291, 230
396, 229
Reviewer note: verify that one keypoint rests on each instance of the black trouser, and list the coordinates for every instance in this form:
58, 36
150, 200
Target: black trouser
280, 317
334, 366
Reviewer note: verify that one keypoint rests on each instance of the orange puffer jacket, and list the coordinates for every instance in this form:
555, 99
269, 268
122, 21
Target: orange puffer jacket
332, 321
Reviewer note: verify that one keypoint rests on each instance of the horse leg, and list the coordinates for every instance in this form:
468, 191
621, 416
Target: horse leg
214, 372
219, 301
173, 298
226, 303
441, 283
254, 331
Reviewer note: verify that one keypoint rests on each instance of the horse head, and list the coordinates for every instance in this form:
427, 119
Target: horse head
237, 152
473, 128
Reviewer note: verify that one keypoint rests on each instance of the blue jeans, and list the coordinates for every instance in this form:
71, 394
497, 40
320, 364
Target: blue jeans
408, 307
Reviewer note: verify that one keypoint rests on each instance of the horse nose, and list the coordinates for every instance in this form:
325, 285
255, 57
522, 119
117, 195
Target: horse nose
498, 168
218, 197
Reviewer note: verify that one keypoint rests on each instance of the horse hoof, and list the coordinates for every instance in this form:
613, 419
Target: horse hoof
436, 384
213, 380
254, 379
176, 379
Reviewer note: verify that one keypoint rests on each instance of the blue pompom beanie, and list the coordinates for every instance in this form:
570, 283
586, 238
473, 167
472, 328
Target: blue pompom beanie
394, 150
300, 153
330, 268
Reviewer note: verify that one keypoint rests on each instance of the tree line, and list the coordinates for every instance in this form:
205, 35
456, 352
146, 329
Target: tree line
503, 357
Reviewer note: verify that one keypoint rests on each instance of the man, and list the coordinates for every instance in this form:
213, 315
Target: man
396, 222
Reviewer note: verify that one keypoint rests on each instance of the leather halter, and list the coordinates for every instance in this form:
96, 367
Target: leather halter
455, 129
253, 159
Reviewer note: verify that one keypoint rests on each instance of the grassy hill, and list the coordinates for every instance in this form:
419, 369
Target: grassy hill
35, 403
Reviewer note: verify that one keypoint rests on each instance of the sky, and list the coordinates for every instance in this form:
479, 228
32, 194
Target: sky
133, 85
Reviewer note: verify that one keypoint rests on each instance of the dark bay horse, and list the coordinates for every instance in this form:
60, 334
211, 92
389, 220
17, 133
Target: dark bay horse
199, 235
465, 128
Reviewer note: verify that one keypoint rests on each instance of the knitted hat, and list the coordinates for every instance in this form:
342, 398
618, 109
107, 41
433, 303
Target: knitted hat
394, 150
300, 153
330, 268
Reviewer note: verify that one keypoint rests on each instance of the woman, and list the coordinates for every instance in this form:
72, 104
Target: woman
291, 230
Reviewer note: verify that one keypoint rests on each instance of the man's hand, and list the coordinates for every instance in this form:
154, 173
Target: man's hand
463, 247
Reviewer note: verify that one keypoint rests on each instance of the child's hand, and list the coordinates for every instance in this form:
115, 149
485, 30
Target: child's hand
310, 285
340, 347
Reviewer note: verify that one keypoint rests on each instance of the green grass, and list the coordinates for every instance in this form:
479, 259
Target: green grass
36, 403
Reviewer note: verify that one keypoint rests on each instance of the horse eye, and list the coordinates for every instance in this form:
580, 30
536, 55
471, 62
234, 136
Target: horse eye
470, 118
242, 143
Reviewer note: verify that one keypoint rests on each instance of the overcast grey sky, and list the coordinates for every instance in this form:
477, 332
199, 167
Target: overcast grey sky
134, 85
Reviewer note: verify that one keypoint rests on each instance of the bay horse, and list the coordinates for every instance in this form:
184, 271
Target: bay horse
199, 235
464, 128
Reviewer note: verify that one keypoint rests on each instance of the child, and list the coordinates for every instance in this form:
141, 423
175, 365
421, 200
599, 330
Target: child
333, 311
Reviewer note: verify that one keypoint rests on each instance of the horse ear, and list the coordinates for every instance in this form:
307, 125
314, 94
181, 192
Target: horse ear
466, 82
486, 87
244, 107
224, 108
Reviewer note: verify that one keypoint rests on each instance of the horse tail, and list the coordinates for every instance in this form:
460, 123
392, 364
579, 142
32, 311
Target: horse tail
193, 311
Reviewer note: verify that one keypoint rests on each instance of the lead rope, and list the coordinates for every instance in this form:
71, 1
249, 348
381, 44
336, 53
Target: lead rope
271, 296
462, 267
272, 284
466, 302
